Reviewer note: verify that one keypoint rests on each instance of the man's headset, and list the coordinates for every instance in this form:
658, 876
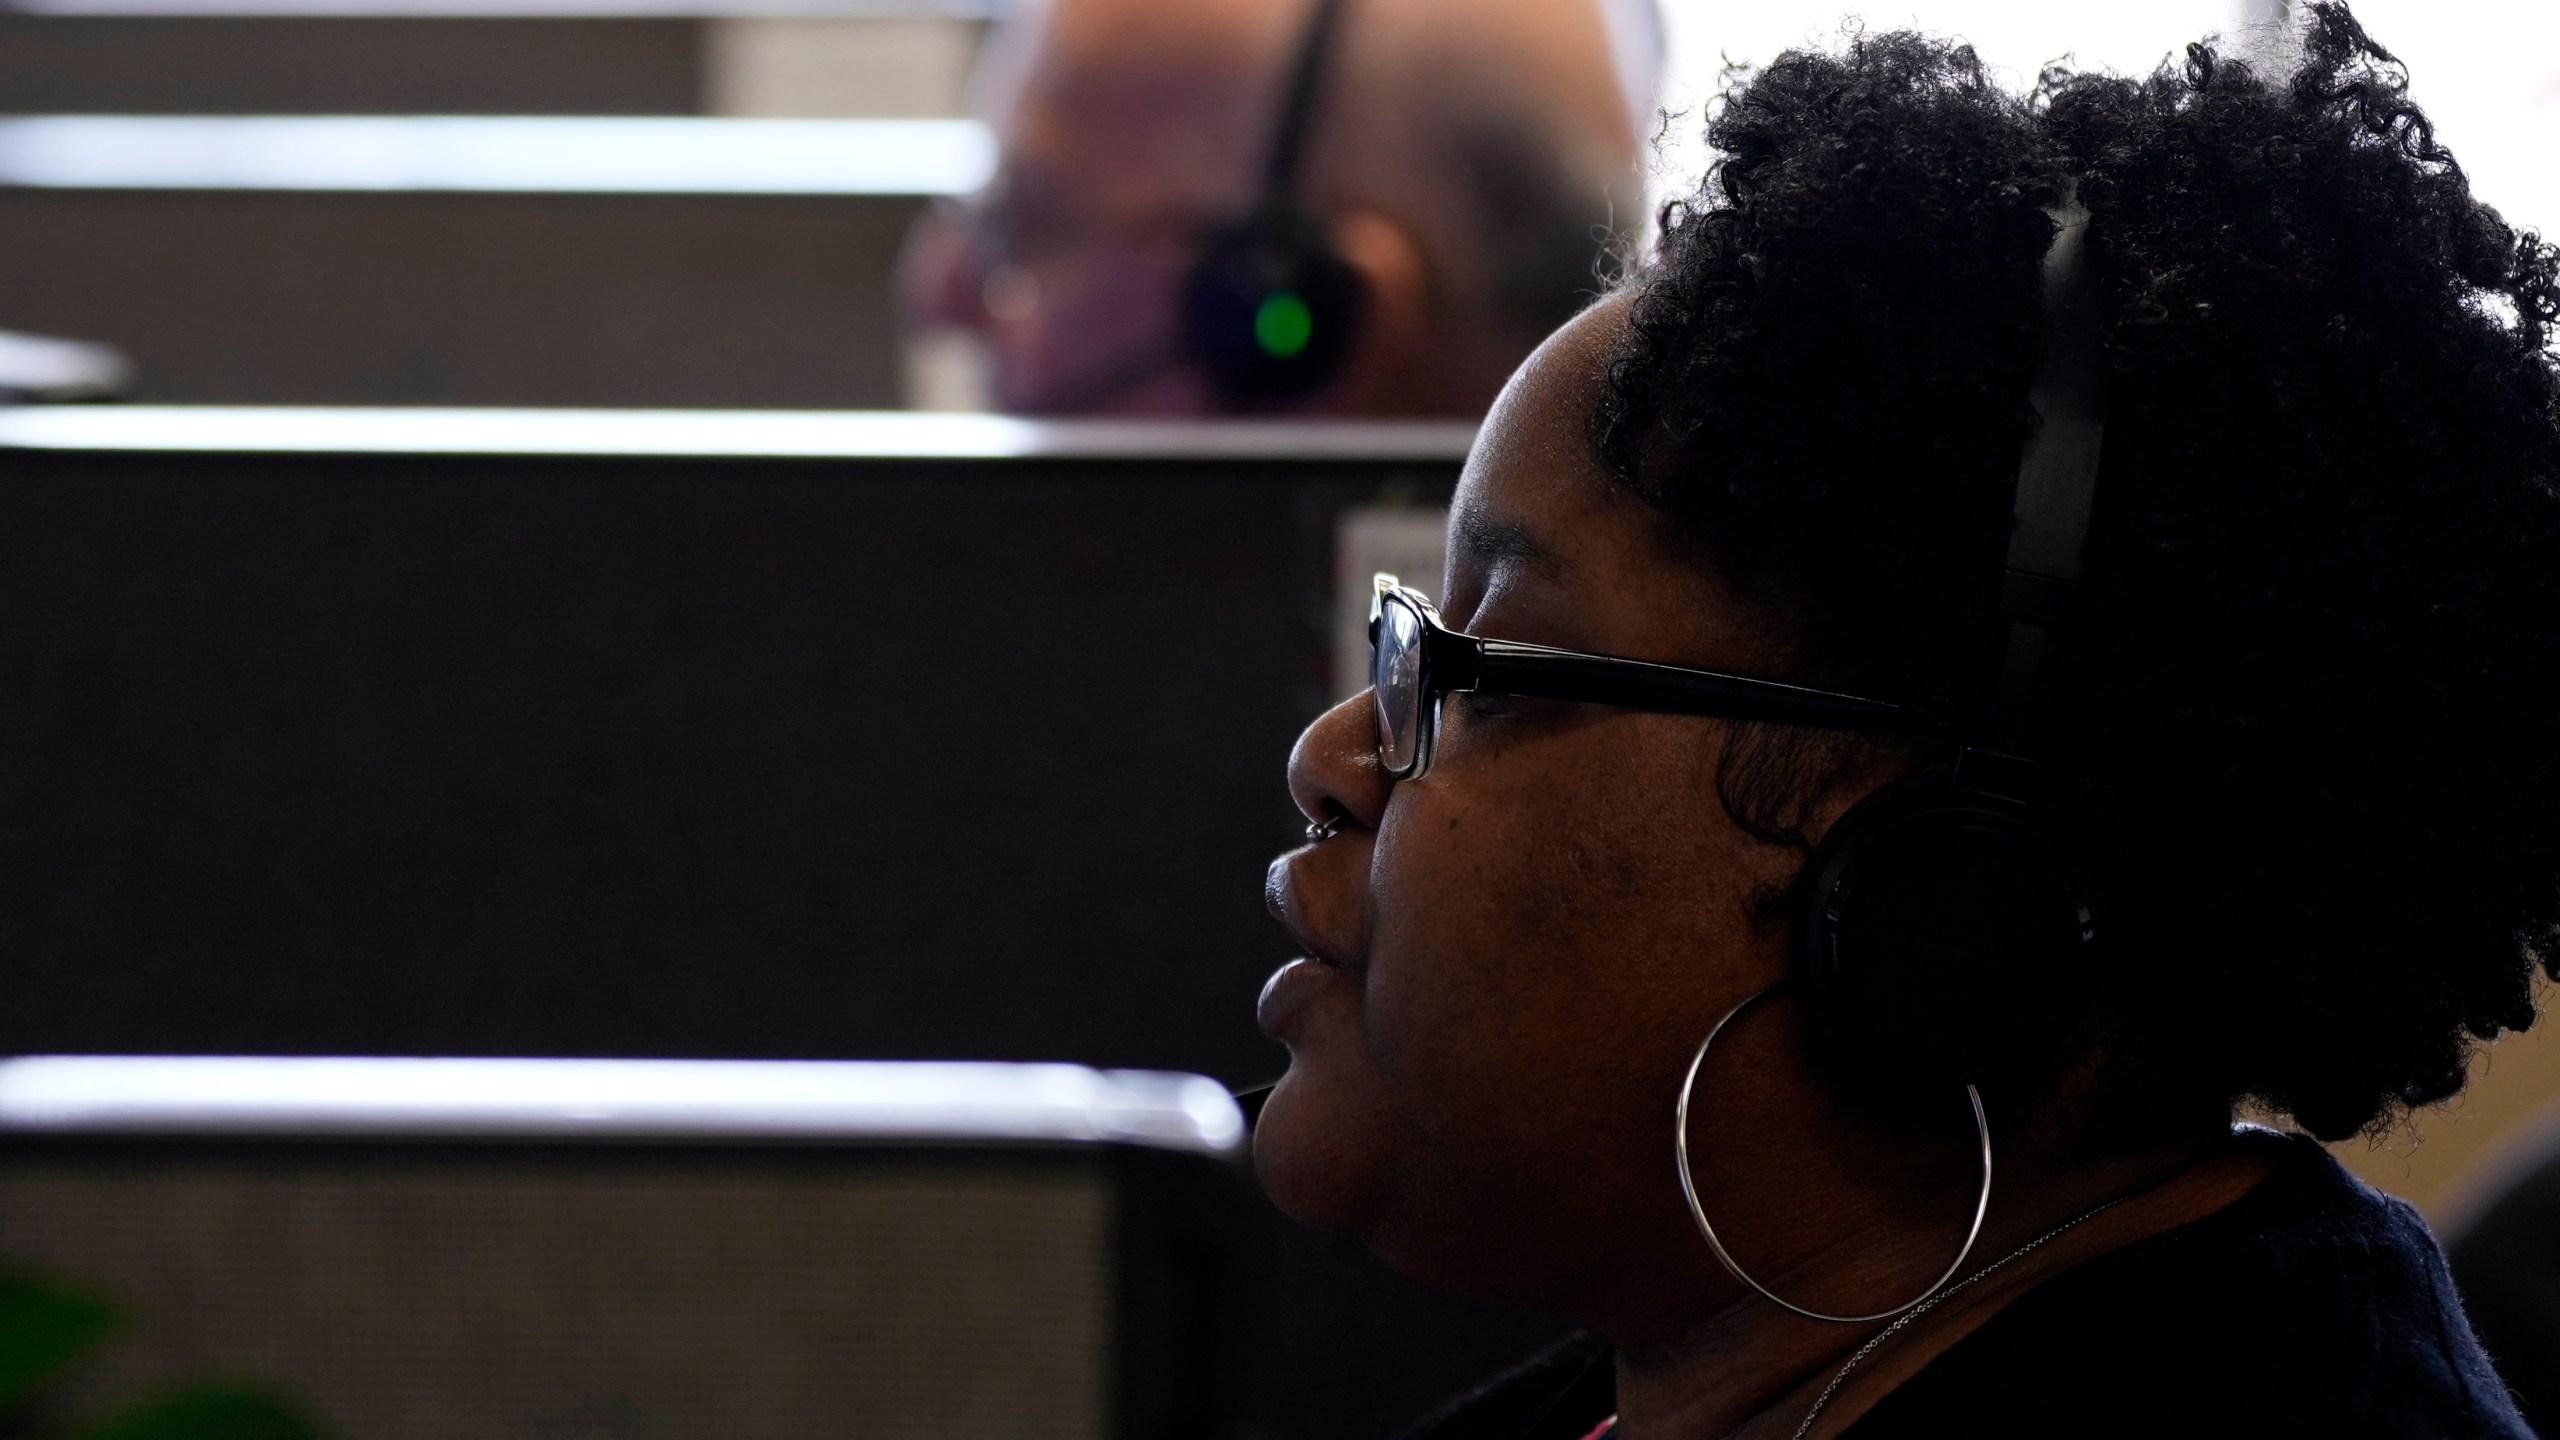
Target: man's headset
1271, 309
1943, 933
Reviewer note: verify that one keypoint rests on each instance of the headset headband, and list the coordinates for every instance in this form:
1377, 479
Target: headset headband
2057, 480
1298, 103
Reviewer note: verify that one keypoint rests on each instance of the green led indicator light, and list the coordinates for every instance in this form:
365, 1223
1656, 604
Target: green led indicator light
1283, 325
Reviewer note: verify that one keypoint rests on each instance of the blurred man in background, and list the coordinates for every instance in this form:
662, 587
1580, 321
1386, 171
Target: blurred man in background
1287, 206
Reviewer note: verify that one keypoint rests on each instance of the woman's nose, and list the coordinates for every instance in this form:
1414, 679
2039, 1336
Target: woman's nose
1334, 770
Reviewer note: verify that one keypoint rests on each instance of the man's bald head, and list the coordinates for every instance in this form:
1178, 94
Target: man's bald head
1468, 154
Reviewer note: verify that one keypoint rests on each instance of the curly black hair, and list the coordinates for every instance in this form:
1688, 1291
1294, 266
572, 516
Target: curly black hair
2302, 724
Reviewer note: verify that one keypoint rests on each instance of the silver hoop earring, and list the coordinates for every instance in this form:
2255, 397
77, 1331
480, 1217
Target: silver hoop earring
1698, 1211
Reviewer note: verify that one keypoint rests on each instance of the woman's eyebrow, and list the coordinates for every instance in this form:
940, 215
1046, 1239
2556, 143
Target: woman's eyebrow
1489, 541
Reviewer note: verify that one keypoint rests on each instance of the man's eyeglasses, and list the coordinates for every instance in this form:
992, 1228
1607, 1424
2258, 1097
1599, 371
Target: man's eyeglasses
1414, 660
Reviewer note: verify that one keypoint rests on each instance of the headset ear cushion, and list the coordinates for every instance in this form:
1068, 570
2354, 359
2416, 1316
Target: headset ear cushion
1943, 933
1270, 310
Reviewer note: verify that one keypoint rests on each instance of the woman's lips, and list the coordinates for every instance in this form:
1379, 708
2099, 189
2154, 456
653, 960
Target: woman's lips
1291, 989
1324, 967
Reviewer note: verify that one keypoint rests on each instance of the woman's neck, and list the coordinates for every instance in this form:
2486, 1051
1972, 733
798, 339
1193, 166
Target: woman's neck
1751, 1371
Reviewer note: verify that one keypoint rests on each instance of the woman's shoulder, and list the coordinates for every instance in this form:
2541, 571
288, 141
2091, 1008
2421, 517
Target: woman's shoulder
2314, 1305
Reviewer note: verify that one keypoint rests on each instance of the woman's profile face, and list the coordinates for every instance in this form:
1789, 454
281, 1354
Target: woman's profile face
1512, 956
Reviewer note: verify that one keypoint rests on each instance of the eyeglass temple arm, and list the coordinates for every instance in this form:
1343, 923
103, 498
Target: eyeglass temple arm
1511, 668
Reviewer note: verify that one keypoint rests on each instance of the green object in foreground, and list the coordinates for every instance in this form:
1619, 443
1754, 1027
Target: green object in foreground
43, 1329
207, 1414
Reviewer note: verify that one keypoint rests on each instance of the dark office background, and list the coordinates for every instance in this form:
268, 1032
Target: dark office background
643, 756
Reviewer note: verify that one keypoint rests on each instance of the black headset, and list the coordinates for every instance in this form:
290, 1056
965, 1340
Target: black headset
1942, 931
1271, 308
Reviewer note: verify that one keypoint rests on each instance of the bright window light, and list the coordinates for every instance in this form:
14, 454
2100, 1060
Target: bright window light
850, 1101
497, 153
2487, 71
2017, 38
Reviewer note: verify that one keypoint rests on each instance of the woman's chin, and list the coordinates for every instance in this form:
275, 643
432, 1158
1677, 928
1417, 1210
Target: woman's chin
1330, 1157
1321, 1154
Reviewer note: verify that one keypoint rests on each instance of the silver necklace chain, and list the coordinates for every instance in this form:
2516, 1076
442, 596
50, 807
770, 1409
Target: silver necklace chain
1932, 1303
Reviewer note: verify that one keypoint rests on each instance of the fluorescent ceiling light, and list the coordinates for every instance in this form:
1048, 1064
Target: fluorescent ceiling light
556, 154
806, 1100
811, 434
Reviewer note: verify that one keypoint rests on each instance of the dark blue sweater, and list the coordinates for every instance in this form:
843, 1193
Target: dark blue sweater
2312, 1306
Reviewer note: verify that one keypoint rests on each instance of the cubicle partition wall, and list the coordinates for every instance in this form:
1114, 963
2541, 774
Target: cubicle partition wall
602, 1249
409, 297
619, 1250
536, 202
713, 735
909, 736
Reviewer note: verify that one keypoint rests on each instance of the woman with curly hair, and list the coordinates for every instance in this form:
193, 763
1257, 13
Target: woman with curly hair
2027, 629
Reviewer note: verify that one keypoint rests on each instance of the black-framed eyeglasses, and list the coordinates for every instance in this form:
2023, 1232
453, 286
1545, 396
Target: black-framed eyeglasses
1414, 660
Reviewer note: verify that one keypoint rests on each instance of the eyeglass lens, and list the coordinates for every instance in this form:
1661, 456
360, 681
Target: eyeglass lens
1395, 672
